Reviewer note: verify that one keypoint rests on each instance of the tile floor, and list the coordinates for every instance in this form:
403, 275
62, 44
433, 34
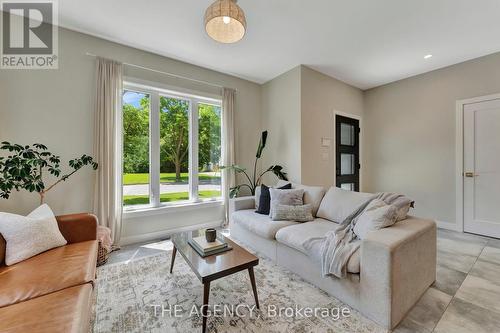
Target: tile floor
466, 295
464, 298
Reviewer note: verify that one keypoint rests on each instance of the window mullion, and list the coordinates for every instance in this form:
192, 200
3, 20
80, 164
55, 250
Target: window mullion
193, 150
154, 166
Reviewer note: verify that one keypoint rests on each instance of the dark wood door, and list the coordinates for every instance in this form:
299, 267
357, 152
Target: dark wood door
347, 153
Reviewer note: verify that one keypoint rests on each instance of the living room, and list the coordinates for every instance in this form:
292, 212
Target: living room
230, 166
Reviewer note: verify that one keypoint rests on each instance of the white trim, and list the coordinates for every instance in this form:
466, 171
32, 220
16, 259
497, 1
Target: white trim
170, 208
177, 92
360, 119
459, 167
459, 155
166, 233
154, 149
447, 226
193, 150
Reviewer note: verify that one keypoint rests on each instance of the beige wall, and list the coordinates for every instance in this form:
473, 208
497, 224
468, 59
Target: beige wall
410, 133
281, 117
55, 107
297, 109
408, 126
321, 95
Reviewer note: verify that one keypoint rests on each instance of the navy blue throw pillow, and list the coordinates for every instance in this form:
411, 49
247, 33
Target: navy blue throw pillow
265, 198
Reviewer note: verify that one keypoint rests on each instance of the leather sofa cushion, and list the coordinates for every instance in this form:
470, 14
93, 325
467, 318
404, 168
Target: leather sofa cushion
67, 310
78, 227
296, 235
259, 224
48, 272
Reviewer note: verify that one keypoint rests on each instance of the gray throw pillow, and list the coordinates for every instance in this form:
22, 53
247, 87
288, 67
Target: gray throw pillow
301, 213
292, 197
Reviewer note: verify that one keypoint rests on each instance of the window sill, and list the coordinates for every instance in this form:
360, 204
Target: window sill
129, 213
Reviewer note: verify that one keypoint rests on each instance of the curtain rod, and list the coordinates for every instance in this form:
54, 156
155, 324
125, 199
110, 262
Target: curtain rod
161, 72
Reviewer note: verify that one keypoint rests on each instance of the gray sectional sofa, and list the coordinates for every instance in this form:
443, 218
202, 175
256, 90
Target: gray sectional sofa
387, 275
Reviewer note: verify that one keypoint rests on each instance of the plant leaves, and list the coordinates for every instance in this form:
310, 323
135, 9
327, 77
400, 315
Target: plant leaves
262, 144
277, 170
234, 191
236, 168
23, 169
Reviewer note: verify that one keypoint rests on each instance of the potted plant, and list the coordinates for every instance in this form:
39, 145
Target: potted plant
25, 167
253, 182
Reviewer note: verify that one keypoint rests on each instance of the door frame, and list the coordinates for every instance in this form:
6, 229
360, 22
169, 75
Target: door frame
459, 155
361, 161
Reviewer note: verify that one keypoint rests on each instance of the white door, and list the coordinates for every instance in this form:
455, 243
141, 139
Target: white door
482, 168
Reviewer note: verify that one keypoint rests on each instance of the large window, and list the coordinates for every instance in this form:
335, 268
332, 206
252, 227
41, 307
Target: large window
209, 150
171, 147
136, 113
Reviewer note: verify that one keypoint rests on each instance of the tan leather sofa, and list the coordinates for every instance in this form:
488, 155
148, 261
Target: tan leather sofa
52, 292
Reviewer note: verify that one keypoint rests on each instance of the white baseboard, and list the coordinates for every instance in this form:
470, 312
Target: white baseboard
165, 233
448, 226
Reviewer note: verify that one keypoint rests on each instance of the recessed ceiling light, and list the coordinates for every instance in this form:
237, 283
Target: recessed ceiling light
428, 56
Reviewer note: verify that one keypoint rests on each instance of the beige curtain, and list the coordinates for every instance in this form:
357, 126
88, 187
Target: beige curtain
107, 203
228, 97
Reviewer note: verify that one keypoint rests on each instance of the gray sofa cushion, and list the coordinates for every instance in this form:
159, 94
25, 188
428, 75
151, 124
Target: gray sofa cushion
294, 236
259, 224
337, 204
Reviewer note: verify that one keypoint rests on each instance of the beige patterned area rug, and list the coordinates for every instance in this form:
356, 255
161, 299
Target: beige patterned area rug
142, 296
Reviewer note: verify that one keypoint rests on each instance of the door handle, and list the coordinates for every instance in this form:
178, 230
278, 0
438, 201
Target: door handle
469, 174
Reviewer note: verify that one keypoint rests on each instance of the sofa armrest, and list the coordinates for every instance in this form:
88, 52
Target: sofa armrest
78, 227
398, 264
241, 203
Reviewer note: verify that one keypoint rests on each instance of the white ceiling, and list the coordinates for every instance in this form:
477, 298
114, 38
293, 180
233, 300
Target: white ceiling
363, 42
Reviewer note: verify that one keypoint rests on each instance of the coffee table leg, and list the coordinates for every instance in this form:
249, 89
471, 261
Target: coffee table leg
254, 287
174, 252
206, 293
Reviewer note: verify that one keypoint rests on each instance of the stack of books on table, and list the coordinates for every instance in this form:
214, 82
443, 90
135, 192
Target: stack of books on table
205, 248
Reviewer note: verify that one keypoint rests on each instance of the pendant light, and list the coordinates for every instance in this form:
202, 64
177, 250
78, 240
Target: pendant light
225, 21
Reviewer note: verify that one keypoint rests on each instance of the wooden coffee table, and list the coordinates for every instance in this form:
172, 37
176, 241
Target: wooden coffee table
215, 266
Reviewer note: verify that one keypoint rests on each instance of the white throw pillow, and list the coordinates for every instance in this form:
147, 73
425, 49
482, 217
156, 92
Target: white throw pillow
337, 204
27, 236
312, 194
377, 215
285, 197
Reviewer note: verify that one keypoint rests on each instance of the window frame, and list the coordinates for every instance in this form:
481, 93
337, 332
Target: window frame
155, 92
